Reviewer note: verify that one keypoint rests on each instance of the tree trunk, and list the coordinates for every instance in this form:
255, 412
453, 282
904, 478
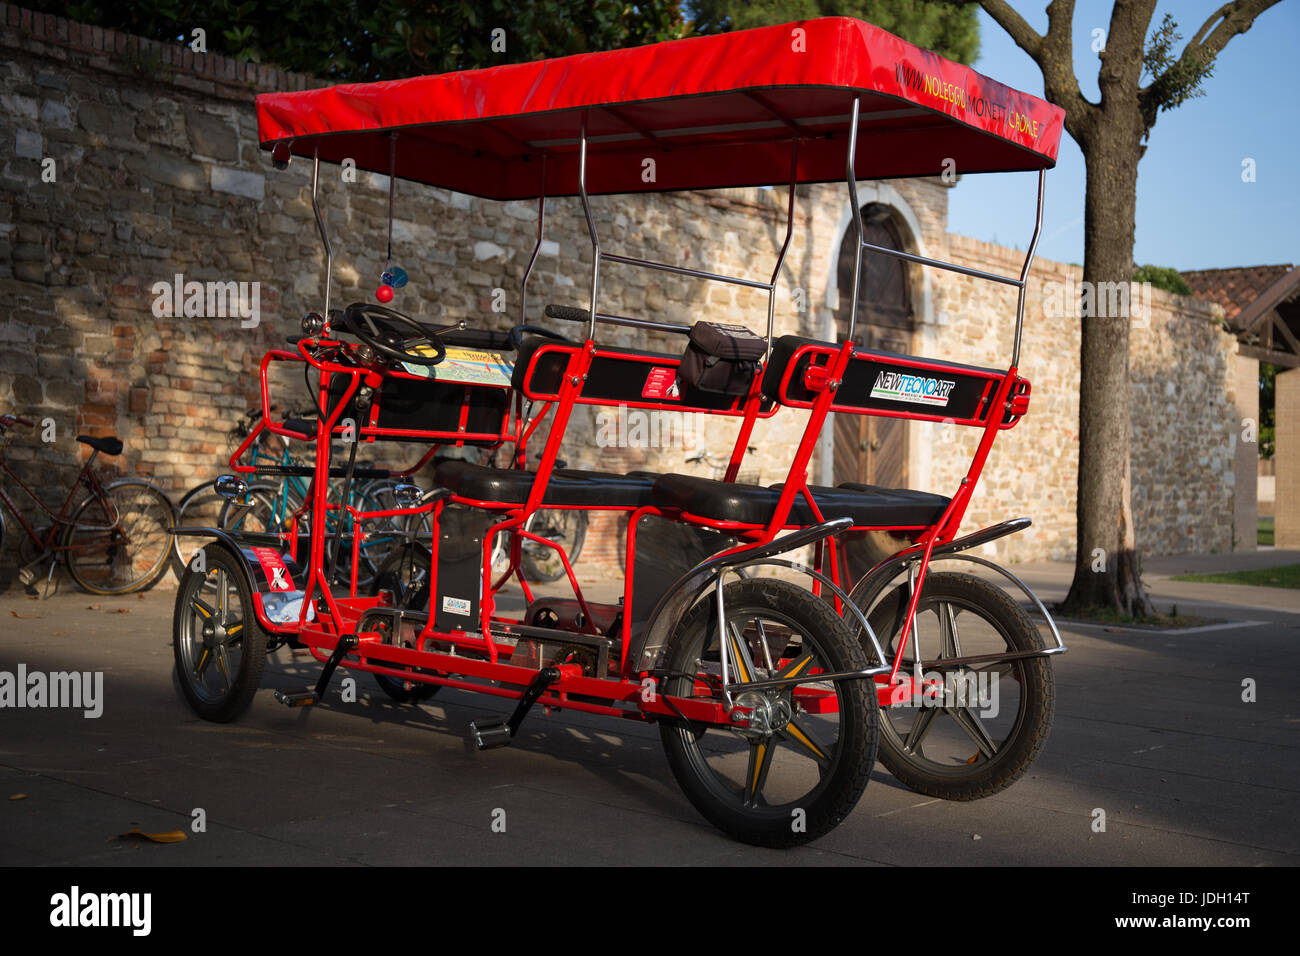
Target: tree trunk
1106, 567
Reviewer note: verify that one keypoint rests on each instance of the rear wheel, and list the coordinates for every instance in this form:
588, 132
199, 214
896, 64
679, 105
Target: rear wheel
120, 542
567, 528
981, 725
218, 646
800, 766
405, 575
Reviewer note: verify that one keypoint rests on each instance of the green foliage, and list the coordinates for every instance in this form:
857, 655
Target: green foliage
949, 29
1177, 80
1162, 277
384, 39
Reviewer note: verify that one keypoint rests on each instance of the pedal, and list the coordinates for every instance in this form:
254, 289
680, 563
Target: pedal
27, 577
490, 736
297, 698
498, 735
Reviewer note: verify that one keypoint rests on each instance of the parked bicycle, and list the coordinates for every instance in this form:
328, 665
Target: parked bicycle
272, 505
112, 541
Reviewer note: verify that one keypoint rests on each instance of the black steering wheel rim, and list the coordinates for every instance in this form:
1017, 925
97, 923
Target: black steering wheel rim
354, 315
517, 335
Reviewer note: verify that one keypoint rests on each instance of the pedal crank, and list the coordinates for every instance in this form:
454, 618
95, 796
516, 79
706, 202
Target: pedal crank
490, 736
313, 695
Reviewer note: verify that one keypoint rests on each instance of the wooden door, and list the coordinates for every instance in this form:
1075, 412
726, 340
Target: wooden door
868, 449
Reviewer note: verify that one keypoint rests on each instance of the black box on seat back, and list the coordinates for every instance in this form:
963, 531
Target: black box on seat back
432, 406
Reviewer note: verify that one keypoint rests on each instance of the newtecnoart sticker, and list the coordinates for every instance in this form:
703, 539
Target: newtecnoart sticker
901, 387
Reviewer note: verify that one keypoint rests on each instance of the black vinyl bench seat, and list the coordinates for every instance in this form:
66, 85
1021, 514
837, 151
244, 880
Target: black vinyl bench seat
567, 486
867, 505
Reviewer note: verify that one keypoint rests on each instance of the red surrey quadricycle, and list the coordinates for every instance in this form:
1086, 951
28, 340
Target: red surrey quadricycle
772, 697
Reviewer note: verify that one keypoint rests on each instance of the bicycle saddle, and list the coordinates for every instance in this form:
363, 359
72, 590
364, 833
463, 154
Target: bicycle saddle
109, 445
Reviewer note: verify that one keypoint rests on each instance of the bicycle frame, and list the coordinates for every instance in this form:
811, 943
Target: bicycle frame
85, 477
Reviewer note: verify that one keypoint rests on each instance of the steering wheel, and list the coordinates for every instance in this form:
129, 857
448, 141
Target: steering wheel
517, 335
357, 319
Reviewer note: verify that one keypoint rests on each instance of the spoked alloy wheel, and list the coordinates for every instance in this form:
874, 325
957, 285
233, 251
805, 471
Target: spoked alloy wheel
801, 766
120, 543
981, 725
219, 648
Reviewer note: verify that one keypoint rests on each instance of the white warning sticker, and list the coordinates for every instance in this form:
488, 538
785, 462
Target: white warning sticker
456, 606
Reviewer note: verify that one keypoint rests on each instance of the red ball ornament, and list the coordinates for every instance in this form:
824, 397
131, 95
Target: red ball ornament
384, 293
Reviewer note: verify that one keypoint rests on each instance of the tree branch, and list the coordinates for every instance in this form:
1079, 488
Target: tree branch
1232, 19
1060, 84
1025, 36
1237, 18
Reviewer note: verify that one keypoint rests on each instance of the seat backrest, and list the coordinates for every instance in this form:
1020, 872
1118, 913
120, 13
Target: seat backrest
883, 383
618, 376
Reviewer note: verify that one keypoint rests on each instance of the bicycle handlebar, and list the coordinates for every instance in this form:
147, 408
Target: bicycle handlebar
6, 420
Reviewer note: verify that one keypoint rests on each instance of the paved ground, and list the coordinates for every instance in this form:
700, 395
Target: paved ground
1149, 727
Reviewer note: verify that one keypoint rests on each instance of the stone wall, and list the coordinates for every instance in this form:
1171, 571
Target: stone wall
158, 173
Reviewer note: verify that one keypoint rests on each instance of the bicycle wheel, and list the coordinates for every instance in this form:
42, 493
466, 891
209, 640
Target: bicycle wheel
800, 766
979, 726
261, 512
200, 507
405, 575
567, 528
383, 537
119, 542
218, 646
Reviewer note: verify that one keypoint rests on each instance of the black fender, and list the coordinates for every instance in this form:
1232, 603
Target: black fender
646, 649
267, 567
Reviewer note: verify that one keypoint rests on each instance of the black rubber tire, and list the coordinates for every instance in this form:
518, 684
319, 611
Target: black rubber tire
143, 509
400, 575
222, 706
1035, 699
839, 786
574, 525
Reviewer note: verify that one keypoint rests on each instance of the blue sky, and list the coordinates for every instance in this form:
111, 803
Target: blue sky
1193, 210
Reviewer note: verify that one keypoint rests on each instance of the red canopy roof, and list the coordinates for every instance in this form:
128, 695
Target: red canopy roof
710, 111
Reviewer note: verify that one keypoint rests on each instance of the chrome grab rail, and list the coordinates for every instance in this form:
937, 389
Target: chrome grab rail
1020, 283
599, 256
324, 236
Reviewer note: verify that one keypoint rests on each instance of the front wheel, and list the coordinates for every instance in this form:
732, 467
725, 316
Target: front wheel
976, 728
219, 647
798, 768
119, 540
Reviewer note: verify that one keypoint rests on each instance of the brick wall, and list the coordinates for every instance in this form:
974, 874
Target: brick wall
158, 172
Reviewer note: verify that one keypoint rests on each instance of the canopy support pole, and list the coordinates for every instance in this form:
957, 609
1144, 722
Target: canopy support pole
541, 226
785, 246
598, 255
591, 227
1024, 271
1021, 282
851, 176
324, 236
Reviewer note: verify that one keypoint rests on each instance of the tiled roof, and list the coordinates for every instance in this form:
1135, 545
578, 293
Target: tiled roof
1234, 289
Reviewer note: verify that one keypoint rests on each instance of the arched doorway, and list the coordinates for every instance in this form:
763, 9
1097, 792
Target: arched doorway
870, 449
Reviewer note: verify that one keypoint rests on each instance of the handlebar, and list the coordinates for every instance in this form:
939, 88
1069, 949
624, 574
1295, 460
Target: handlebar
567, 312
18, 419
